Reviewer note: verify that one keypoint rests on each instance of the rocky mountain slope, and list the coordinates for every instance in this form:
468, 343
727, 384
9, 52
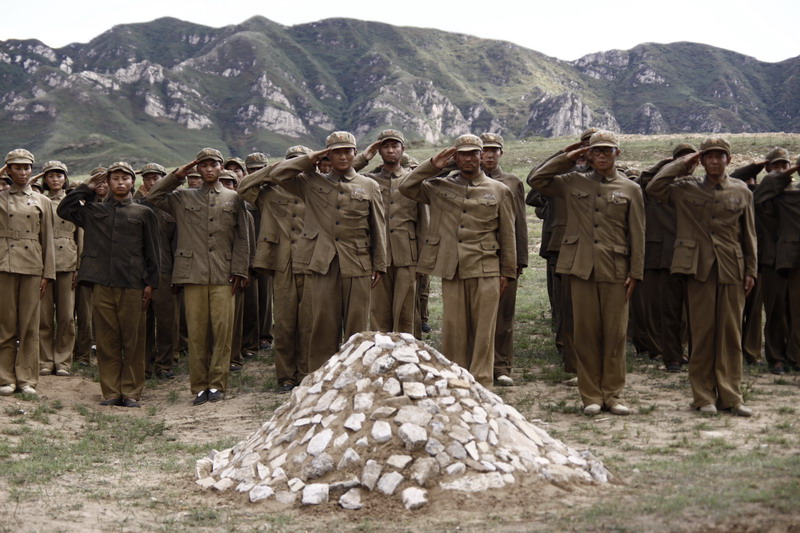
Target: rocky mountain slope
160, 90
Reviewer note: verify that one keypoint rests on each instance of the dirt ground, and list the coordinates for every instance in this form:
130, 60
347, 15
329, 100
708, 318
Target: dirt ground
658, 456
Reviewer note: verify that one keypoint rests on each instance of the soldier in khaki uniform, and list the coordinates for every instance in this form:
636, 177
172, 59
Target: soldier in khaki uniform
253, 163
27, 263
471, 246
715, 245
57, 309
393, 299
504, 332
211, 262
603, 253
343, 243
282, 215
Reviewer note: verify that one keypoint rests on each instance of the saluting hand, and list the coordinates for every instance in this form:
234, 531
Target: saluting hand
574, 146
575, 154
96, 179
183, 171
3, 169
372, 150
442, 159
319, 154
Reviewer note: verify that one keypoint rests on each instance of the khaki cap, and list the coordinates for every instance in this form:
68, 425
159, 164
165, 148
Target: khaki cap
54, 165
340, 139
20, 156
587, 133
193, 173
715, 143
228, 175
236, 161
392, 135
492, 140
122, 165
778, 154
97, 170
683, 149
209, 153
152, 168
297, 151
603, 138
468, 143
256, 160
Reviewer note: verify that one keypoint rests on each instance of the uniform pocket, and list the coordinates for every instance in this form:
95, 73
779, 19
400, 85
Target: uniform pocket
621, 261
430, 250
684, 257
566, 254
182, 267
490, 262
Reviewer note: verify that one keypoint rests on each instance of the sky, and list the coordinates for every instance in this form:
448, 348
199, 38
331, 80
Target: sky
768, 30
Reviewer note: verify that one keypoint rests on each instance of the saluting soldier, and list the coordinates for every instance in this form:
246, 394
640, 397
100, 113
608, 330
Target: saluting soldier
27, 264
211, 262
603, 253
471, 246
343, 243
253, 163
715, 245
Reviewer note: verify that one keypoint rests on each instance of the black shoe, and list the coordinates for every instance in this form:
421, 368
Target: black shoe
426, 328
286, 388
113, 401
201, 398
248, 355
778, 369
673, 367
130, 402
265, 345
215, 396
165, 374
236, 368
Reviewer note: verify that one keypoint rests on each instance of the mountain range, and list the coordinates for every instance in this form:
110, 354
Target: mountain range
161, 90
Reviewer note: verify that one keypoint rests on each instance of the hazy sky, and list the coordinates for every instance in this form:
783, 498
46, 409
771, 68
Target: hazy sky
567, 29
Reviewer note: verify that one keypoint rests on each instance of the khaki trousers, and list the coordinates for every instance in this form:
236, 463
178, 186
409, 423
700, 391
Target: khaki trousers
162, 328
209, 311
793, 345
265, 304
238, 328
57, 324
664, 299
120, 322
338, 304
83, 318
19, 321
715, 319
504, 331
774, 292
393, 300
565, 338
291, 326
470, 319
600, 312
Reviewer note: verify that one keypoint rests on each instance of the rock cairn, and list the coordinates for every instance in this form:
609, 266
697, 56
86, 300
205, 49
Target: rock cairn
391, 414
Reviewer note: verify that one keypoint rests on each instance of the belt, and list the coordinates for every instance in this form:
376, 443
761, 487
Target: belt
64, 234
18, 235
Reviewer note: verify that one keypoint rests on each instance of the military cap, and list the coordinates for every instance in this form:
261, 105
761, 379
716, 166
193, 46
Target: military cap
603, 138
255, 161
468, 143
588, 132
209, 153
54, 165
228, 175
340, 139
297, 151
97, 170
393, 135
408, 161
682, 149
236, 161
152, 168
492, 140
778, 154
19, 156
123, 166
193, 173
36, 185
715, 143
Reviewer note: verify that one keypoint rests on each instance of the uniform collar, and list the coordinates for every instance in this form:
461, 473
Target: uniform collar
495, 173
399, 174
216, 187
125, 201
723, 184
24, 189
596, 176
61, 194
347, 176
481, 178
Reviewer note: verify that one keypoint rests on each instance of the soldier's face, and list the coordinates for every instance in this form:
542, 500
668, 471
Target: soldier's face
714, 162
120, 183
603, 157
209, 170
194, 182
55, 180
468, 162
342, 159
150, 179
20, 172
228, 184
778, 166
324, 166
491, 158
102, 189
236, 169
391, 151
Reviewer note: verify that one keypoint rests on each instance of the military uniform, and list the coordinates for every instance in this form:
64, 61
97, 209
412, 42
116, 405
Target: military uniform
470, 245
603, 245
254, 162
715, 245
212, 246
343, 242
27, 256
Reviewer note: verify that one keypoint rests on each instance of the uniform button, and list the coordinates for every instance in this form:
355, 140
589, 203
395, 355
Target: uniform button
60, 246
294, 216
464, 211
337, 207
460, 240
210, 249
596, 242
26, 247
296, 202
461, 226
9, 216
29, 216
391, 231
596, 225
598, 196
210, 235
336, 239
11, 246
337, 222
211, 220
391, 203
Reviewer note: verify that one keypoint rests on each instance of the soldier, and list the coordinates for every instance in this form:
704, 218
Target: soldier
393, 299
471, 246
57, 339
342, 244
121, 260
255, 162
27, 263
211, 262
504, 332
603, 253
715, 245
776, 206
282, 216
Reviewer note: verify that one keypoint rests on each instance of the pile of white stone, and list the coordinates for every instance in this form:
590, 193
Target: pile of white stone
391, 414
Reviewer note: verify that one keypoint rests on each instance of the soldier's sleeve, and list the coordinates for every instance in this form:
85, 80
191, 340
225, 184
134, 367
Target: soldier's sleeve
520, 223
241, 244
747, 172
250, 186
636, 235
547, 160
771, 186
659, 187
413, 184
152, 257
161, 195
377, 229
546, 179
71, 208
647, 175
290, 174
537, 200
423, 223
748, 236
46, 240
79, 244
360, 161
506, 236
251, 238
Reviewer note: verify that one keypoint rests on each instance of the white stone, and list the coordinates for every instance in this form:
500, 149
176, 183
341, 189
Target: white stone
398, 462
382, 412
413, 436
338, 404
316, 388
319, 466
413, 415
224, 484
295, 484
355, 421
262, 491
362, 442
349, 457
460, 434
408, 337
203, 467
370, 356
328, 420
424, 470
308, 435
363, 401
351, 499
286, 497
414, 390
456, 450
424, 354
414, 498
408, 372
405, 354
472, 450
433, 446
206, 482
370, 473
456, 469
325, 401
319, 442
447, 400
358, 352
315, 493
346, 377
381, 431
362, 384
341, 440
392, 387
382, 365
262, 471
384, 342
388, 483
474, 482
